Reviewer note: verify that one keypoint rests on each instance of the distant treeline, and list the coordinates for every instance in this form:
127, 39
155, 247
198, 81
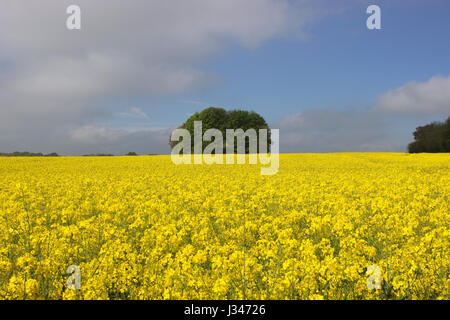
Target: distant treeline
433, 137
107, 154
27, 154
98, 155
54, 154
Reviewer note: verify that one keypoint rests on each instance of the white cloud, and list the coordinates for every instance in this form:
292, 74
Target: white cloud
138, 112
417, 98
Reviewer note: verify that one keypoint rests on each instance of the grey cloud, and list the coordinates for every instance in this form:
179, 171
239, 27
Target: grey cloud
332, 130
51, 79
93, 139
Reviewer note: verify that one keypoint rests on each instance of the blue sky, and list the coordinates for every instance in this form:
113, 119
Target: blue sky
343, 64
312, 69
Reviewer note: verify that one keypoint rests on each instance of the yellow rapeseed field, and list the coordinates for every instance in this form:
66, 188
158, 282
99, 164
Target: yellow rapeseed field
144, 228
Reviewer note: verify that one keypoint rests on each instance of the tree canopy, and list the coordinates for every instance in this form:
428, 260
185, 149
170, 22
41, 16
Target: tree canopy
433, 138
221, 119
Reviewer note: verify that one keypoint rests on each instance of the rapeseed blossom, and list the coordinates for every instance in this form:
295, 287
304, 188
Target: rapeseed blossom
144, 228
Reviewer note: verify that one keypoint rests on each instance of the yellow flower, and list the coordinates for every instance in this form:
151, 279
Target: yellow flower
144, 228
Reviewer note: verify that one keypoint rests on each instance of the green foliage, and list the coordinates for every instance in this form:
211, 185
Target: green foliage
433, 138
131, 154
220, 119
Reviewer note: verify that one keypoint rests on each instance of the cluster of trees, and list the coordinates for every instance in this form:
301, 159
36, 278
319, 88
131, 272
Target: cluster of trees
107, 154
27, 154
221, 119
433, 137
39, 154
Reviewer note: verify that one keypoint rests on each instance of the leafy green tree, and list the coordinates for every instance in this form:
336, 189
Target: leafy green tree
247, 120
220, 119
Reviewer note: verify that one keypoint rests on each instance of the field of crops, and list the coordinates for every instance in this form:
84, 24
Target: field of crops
144, 228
